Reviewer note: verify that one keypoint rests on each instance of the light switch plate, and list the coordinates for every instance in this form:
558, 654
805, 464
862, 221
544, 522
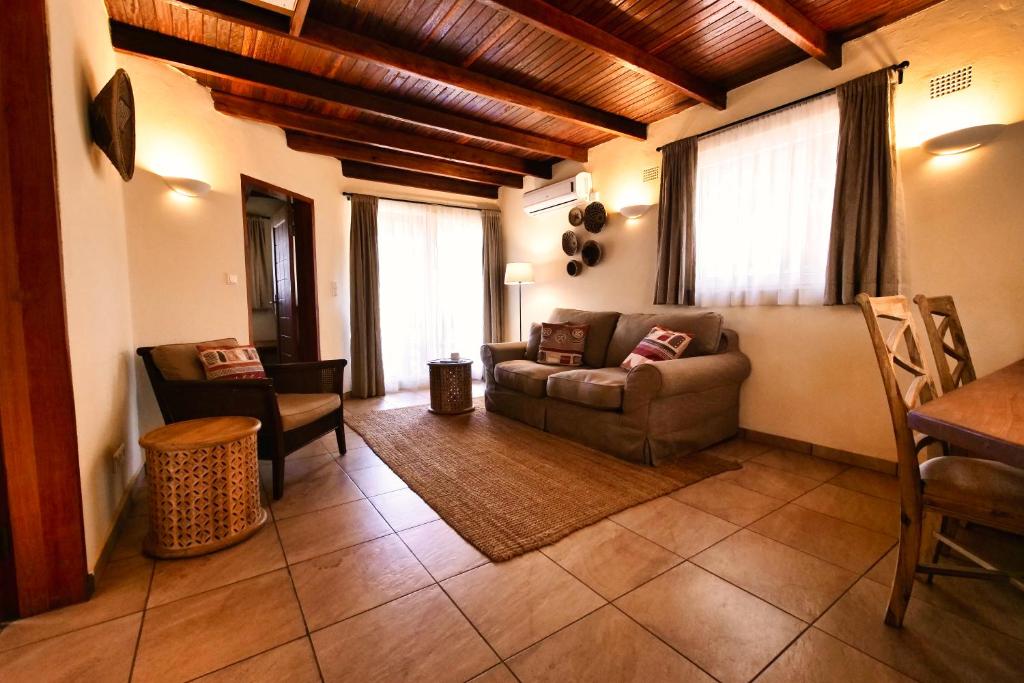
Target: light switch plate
230, 278
334, 288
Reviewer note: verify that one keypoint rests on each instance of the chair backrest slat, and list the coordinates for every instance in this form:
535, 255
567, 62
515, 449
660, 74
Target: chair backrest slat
959, 371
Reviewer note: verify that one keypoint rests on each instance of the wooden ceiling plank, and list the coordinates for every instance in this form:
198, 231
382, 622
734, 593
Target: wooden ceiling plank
298, 17
354, 151
209, 60
549, 18
426, 181
317, 124
795, 27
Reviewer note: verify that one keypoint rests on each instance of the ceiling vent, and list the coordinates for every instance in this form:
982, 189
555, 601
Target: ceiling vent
650, 174
949, 83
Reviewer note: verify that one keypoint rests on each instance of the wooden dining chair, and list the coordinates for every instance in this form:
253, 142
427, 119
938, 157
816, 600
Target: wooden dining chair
952, 358
954, 487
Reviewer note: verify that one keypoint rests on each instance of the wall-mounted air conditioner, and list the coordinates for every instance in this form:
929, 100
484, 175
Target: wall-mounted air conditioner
564, 193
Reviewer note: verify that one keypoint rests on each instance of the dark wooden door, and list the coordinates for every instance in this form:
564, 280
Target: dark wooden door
284, 289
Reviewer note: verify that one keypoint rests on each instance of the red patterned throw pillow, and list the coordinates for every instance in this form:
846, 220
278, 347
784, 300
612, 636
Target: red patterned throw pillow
659, 344
230, 362
562, 344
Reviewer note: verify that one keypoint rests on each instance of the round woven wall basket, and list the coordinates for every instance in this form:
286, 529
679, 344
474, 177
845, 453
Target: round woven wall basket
594, 217
570, 243
112, 123
591, 253
575, 216
574, 267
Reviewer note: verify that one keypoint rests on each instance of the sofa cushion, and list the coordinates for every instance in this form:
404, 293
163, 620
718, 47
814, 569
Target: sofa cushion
298, 410
659, 345
602, 324
525, 376
705, 328
562, 344
230, 362
181, 361
533, 341
595, 388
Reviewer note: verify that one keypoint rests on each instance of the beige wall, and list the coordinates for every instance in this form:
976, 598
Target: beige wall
814, 376
95, 267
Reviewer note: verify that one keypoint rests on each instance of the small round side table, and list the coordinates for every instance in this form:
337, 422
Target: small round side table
204, 486
451, 386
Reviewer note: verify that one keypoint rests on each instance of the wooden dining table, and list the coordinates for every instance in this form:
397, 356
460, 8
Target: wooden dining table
985, 417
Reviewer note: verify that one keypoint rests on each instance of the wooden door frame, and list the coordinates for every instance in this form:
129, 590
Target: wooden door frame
310, 323
46, 565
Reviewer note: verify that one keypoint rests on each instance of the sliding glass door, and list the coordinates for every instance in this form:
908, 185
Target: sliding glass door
431, 288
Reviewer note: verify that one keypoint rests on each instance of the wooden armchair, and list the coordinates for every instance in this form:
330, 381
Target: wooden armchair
297, 403
956, 488
954, 351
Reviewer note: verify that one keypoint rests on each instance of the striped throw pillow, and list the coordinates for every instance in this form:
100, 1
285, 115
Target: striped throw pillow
659, 344
562, 344
235, 362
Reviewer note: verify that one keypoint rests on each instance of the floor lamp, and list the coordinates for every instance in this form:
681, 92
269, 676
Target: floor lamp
519, 274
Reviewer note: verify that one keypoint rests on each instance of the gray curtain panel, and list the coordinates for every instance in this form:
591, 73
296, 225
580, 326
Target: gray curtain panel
676, 275
494, 284
261, 263
367, 361
863, 253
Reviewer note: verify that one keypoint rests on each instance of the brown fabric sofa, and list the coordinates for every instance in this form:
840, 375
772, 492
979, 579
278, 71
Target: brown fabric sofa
644, 415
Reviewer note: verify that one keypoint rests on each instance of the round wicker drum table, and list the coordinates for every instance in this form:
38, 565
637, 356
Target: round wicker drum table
451, 386
204, 485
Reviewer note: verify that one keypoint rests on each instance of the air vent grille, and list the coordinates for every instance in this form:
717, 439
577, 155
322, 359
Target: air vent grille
650, 174
949, 83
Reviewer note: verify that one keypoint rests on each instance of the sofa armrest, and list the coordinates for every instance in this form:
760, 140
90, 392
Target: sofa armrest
492, 354
689, 375
312, 377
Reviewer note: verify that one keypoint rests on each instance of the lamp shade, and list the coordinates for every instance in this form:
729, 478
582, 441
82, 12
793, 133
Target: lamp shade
518, 273
962, 140
189, 187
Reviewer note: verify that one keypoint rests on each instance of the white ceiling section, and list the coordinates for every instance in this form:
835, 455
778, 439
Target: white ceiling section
283, 6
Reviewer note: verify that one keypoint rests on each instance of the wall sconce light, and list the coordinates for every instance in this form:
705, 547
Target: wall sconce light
963, 140
634, 210
189, 187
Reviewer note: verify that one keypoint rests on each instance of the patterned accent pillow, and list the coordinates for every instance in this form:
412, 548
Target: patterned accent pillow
562, 343
230, 362
659, 344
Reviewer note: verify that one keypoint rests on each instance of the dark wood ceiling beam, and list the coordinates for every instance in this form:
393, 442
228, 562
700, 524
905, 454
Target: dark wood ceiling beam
208, 60
549, 18
317, 124
298, 17
354, 151
794, 26
396, 176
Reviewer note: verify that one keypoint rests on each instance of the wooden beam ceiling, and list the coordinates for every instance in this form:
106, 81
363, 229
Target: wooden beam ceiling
354, 151
553, 20
298, 17
395, 176
794, 26
317, 124
196, 57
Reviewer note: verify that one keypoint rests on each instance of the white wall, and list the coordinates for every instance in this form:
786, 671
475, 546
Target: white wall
95, 267
814, 376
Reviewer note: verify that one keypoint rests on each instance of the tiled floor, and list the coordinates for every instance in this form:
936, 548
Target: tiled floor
778, 571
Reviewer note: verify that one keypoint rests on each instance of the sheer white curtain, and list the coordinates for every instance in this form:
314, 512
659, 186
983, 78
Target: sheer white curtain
763, 208
431, 288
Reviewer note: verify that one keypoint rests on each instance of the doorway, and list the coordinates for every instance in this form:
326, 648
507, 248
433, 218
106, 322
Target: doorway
280, 266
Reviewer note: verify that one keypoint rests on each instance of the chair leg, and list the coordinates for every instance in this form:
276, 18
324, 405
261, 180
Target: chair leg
339, 434
278, 465
931, 524
906, 567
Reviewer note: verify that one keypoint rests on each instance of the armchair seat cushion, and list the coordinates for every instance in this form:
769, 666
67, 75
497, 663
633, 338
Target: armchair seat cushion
598, 388
525, 376
298, 410
965, 482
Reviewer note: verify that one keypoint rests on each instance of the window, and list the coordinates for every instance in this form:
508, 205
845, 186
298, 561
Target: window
763, 207
431, 288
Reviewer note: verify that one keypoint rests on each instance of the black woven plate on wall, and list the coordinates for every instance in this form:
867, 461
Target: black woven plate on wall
594, 217
591, 253
570, 243
575, 216
574, 267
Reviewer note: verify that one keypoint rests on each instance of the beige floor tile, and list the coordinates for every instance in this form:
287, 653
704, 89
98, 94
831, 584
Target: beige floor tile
770, 481
737, 449
174, 579
441, 550
121, 590
800, 463
421, 637
359, 457
932, 645
680, 528
730, 502
827, 538
403, 509
516, 603
327, 489
200, 634
817, 657
373, 481
129, 541
496, 674
724, 630
611, 559
857, 508
293, 662
336, 586
308, 467
321, 532
96, 654
791, 580
869, 482
604, 646
317, 447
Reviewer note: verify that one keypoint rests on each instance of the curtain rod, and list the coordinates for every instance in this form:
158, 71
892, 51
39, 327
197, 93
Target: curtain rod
348, 196
896, 67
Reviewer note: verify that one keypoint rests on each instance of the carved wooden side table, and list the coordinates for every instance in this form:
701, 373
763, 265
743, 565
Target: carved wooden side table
451, 386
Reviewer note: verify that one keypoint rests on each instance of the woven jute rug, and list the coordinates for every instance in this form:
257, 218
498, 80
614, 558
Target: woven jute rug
508, 488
